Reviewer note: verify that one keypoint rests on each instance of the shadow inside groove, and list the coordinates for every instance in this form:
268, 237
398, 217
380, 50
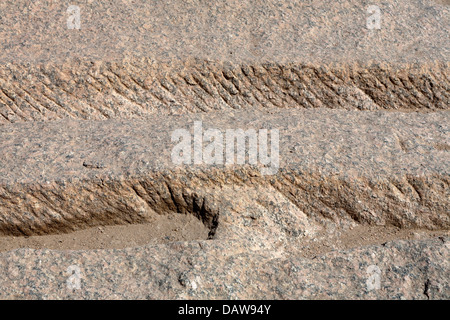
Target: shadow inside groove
164, 228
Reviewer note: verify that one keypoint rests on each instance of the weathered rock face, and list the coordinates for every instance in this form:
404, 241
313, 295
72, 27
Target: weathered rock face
135, 60
335, 166
337, 170
343, 148
393, 32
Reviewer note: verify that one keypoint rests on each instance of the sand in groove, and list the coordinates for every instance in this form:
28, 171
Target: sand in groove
180, 227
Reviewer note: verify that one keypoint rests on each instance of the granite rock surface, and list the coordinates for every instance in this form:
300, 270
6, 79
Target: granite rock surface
356, 101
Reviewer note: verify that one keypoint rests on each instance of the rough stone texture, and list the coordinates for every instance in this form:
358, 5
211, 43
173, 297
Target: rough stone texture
341, 166
135, 59
146, 68
412, 31
338, 169
228, 270
141, 89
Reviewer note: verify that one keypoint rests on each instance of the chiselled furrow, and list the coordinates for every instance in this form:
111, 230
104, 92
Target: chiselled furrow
334, 166
203, 86
235, 149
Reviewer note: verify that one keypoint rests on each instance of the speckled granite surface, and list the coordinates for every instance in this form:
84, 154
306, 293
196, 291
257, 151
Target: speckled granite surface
228, 270
368, 167
234, 30
136, 59
338, 169
85, 123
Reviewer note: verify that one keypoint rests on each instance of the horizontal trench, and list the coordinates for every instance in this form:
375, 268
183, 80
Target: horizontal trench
163, 229
173, 228
84, 155
70, 178
166, 221
139, 89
